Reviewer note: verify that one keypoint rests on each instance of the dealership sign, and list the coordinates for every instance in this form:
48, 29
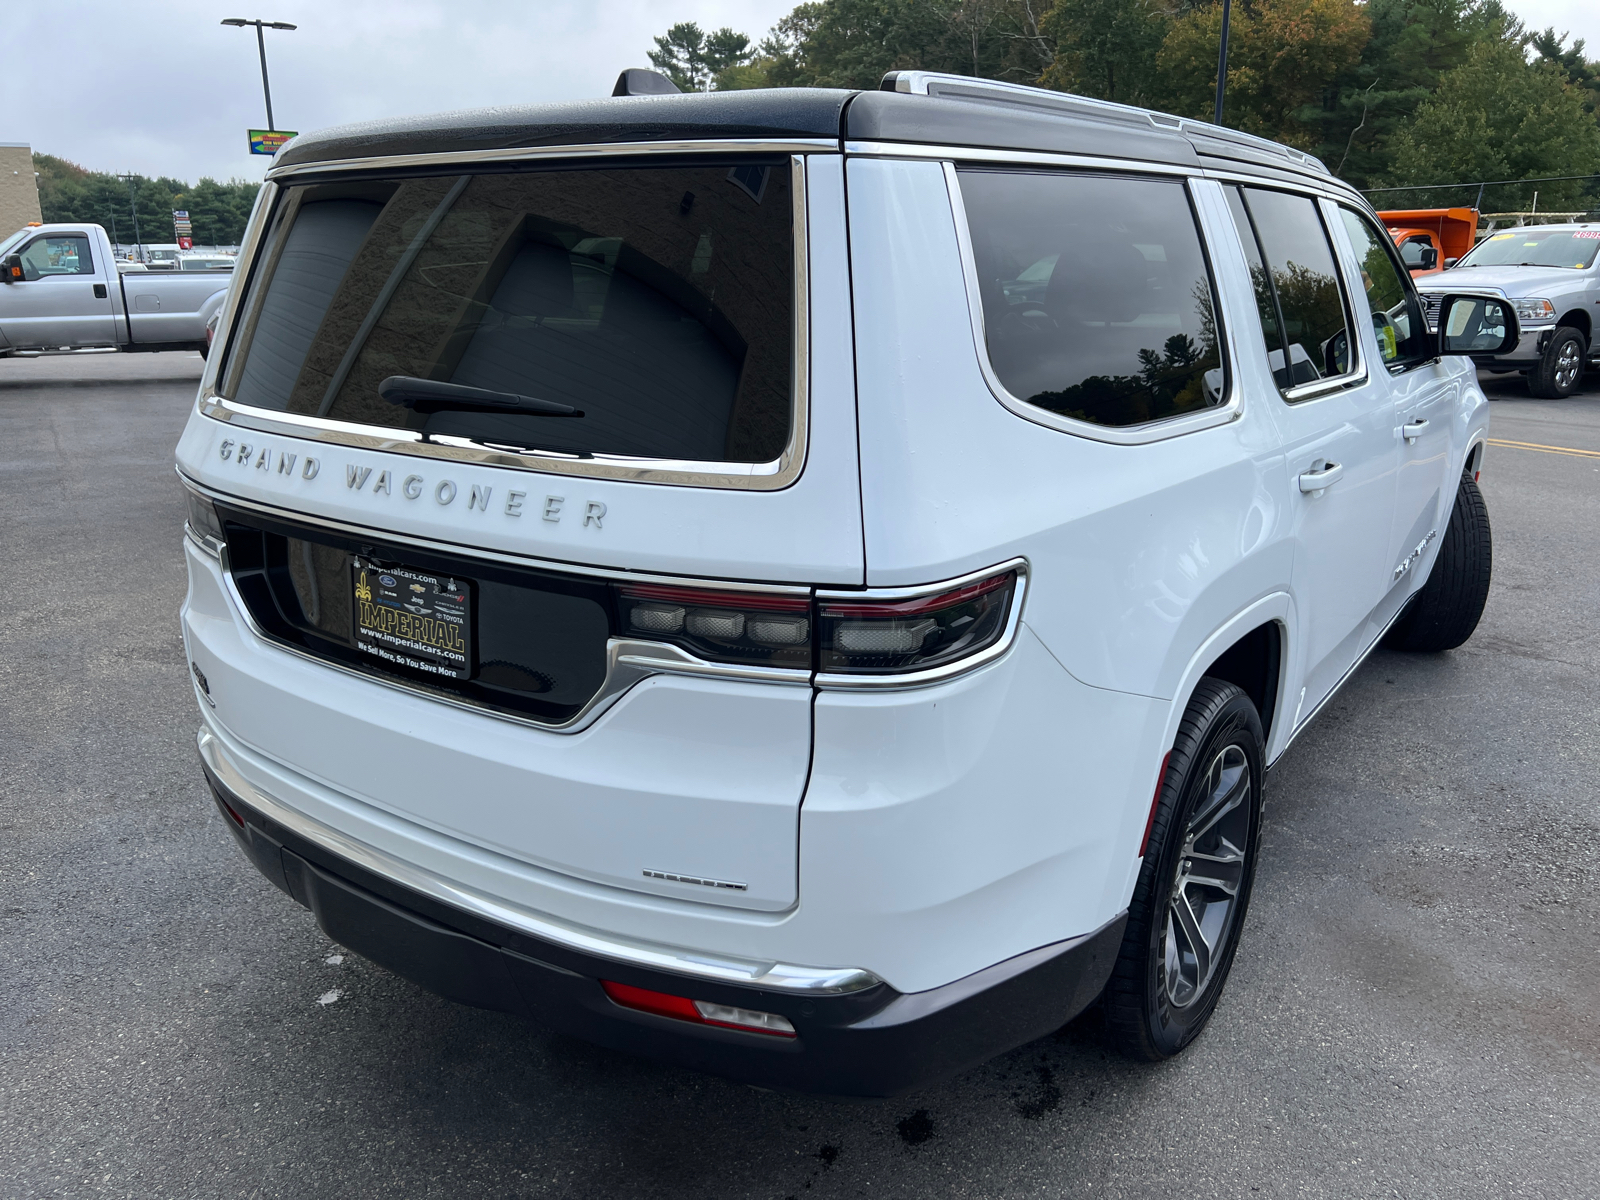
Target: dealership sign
269, 141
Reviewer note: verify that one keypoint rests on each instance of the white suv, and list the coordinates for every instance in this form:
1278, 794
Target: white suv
802, 583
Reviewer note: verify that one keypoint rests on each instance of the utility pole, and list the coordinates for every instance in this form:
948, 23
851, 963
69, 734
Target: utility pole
1222, 61
261, 45
133, 202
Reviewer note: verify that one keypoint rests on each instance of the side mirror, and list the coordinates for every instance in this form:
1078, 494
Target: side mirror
1430, 258
12, 269
1450, 262
1477, 325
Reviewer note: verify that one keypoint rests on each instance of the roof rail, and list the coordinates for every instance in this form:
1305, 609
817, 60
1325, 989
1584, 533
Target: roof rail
994, 91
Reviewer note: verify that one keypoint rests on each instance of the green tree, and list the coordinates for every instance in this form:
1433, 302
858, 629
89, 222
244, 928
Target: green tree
1283, 55
218, 211
1105, 48
693, 59
1498, 117
1580, 71
1413, 43
854, 43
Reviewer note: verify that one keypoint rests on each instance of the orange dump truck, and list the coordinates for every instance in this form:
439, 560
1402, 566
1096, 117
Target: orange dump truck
1431, 239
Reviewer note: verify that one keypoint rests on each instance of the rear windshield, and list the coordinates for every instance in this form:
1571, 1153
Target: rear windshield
1573, 248
638, 311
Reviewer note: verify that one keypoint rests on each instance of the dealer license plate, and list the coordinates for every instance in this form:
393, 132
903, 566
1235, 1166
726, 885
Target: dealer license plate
413, 618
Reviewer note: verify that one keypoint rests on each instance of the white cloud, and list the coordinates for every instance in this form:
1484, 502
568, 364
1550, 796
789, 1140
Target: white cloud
162, 88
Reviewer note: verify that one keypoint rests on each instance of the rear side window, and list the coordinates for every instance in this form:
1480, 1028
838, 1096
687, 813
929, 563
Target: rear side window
654, 301
1308, 339
1097, 299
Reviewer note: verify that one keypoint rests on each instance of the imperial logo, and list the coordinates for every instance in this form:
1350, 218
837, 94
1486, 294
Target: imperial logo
402, 627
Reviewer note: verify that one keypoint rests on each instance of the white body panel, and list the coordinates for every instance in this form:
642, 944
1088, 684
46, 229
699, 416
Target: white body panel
922, 833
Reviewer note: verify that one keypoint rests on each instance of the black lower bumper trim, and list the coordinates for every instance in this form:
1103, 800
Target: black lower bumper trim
875, 1042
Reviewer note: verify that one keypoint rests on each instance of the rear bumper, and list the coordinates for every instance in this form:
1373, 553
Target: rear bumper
873, 1041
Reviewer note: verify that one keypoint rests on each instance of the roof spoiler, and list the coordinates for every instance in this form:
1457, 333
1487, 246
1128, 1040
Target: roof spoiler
641, 81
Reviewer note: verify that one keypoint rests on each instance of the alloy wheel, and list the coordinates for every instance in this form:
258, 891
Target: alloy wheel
1207, 878
1568, 364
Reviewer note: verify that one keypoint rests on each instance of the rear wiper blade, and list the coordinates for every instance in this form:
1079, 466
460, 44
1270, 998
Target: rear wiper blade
431, 396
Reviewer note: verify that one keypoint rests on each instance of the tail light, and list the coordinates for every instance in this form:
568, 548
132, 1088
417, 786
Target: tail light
752, 628
204, 525
835, 633
882, 637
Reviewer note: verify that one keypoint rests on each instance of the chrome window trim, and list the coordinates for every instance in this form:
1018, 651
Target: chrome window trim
1024, 158
904, 681
774, 475
1133, 435
511, 154
784, 977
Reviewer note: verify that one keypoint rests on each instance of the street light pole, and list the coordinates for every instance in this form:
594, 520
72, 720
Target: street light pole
261, 45
133, 203
1222, 62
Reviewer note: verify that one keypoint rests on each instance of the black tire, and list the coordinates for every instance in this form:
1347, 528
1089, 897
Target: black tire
1446, 610
1157, 1001
1560, 368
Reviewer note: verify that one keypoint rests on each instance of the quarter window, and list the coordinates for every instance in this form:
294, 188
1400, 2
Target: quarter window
1097, 301
1395, 319
1309, 339
57, 255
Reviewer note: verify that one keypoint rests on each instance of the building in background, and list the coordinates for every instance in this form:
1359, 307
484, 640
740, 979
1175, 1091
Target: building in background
19, 190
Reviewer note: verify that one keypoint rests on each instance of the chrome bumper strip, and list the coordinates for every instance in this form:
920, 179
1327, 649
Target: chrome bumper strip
813, 981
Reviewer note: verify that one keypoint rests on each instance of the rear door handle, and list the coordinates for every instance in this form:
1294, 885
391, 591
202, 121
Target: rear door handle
99, 291
1312, 482
1414, 430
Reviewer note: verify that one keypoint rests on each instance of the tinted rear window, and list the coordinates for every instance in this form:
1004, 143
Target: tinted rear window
655, 300
1097, 301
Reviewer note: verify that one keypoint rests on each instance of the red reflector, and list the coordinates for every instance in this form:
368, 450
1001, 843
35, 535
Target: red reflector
643, 999
701, 1012
237, 819
1150, 821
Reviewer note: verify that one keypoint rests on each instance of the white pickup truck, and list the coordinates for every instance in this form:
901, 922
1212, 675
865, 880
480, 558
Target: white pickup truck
61, 290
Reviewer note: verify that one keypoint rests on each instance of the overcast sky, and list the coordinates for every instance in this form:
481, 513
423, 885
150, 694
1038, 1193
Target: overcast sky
161, 88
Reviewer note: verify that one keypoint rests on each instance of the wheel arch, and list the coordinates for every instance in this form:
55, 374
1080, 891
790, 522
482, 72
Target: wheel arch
1579, 319
1252, 650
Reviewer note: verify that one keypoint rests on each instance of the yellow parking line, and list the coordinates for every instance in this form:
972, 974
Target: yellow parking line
1545, 449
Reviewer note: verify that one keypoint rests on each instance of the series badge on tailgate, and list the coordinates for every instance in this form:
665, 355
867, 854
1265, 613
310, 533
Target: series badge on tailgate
412, 618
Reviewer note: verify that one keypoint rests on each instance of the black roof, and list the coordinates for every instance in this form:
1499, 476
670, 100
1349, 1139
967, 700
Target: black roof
768, 113
961, 113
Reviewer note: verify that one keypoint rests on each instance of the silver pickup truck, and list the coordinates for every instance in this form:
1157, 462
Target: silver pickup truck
60, 289
1550, 273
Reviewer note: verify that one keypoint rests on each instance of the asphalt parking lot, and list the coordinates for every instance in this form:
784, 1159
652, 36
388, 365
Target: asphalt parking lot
1415, 1011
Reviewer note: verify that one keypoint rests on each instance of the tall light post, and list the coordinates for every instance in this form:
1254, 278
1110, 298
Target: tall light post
261, 44
1222, 62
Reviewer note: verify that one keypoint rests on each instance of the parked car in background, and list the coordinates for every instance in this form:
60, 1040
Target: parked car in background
1431, 239
808, 583
161, 256
60, 288
1551, 274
